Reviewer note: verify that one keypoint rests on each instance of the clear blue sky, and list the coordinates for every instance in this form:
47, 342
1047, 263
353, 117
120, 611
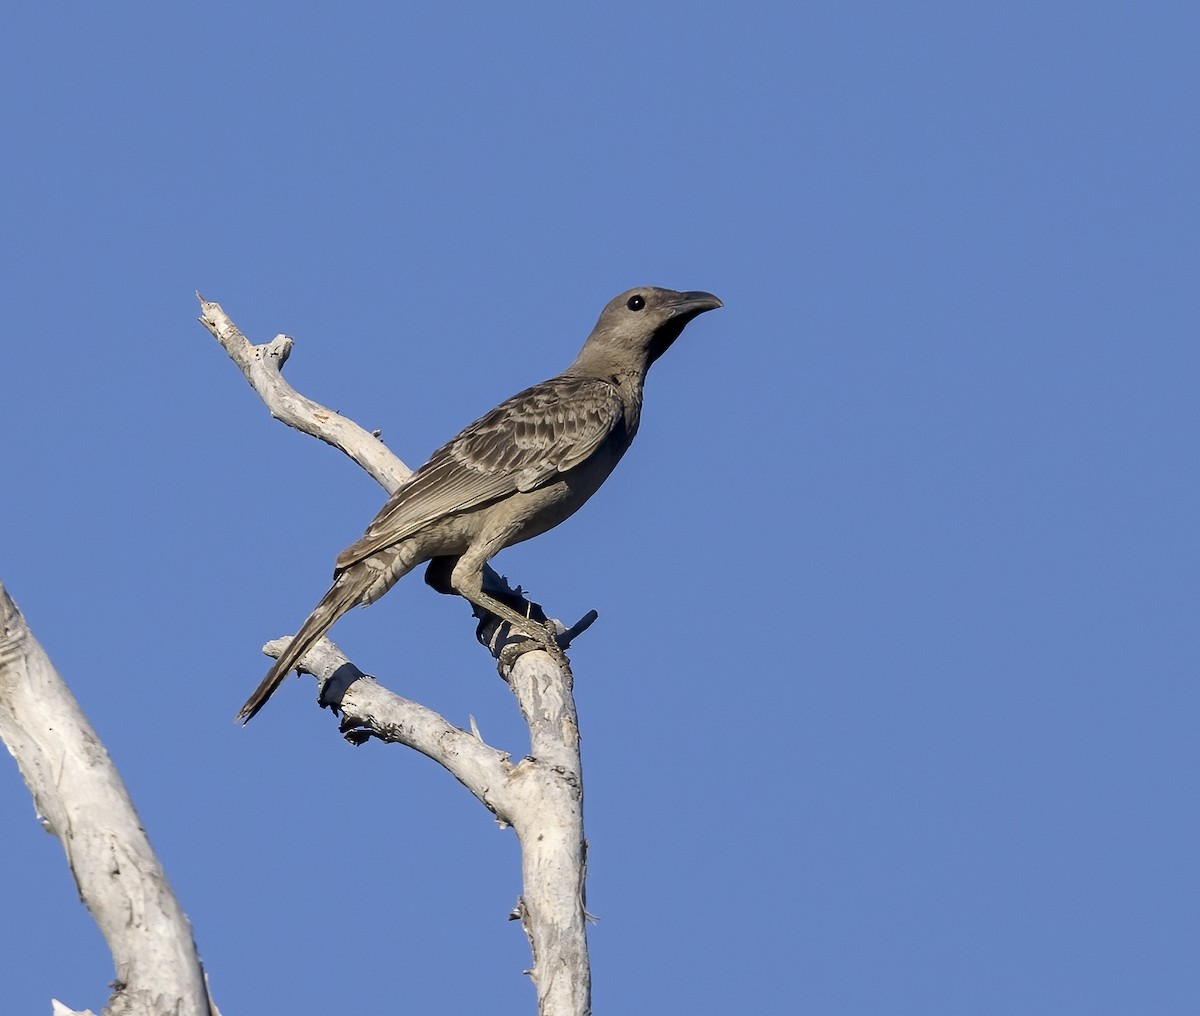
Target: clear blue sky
892, 704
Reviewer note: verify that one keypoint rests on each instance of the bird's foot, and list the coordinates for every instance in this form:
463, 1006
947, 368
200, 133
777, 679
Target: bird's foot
512, 637
511, 623
544, 634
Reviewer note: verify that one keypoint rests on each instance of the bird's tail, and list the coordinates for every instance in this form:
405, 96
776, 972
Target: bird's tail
346, 591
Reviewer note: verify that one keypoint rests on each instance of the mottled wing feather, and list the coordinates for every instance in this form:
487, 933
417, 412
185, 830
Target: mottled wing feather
522, 444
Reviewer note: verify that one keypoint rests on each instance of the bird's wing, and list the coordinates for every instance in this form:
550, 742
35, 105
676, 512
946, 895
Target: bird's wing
522, 444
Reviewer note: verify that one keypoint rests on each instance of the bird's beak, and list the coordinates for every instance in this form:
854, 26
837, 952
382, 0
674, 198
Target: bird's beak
688, 305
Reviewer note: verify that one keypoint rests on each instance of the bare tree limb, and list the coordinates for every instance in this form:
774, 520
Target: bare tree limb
79, 797
262, 366
371, 711
549, 824
541, 796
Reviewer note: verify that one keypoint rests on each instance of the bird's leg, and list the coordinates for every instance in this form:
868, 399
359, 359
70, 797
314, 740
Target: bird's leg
466, 579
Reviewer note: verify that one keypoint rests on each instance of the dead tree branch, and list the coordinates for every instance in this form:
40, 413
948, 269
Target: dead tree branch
541, 797
80, 798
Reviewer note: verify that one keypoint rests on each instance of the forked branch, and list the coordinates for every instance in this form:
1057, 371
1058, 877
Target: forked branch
541, 796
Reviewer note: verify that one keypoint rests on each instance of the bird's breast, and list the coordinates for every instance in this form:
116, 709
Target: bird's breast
546, 507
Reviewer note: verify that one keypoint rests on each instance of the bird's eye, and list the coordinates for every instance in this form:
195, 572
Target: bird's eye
635, 302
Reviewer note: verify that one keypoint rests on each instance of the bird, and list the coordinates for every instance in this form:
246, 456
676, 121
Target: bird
513, 474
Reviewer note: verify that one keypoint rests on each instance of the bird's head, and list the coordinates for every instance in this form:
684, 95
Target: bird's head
638, 326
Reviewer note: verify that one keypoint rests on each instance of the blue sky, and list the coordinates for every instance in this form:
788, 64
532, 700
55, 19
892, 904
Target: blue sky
891, 706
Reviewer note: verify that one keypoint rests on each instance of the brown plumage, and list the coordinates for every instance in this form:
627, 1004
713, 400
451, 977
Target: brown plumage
511, 475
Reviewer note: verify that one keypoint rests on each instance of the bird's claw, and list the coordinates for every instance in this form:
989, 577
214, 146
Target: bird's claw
544, 635
513, 639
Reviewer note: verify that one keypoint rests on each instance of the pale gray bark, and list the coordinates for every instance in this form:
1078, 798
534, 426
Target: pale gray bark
79, 797
541, 796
